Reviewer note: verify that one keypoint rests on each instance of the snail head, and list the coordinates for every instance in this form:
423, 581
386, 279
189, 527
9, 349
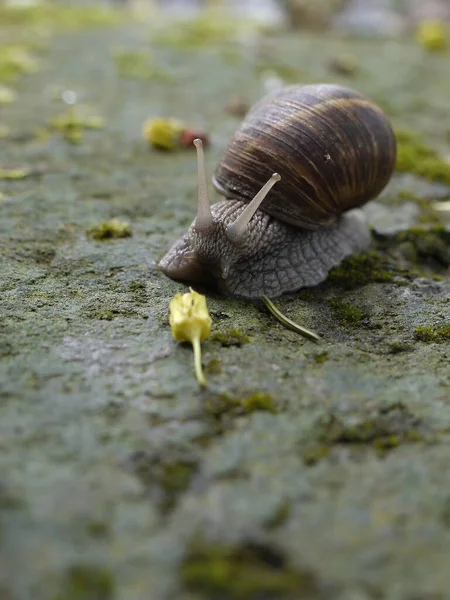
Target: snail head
218, 242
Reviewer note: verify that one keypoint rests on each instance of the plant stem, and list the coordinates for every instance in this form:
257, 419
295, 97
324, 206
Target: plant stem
198, 362
310, 335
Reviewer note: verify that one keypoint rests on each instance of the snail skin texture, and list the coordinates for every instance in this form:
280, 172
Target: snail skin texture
326, 150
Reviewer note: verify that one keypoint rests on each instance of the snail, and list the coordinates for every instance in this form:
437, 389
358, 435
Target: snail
325, 150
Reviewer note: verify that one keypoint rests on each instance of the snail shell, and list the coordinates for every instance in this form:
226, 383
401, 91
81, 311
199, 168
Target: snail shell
334, 149
325, 150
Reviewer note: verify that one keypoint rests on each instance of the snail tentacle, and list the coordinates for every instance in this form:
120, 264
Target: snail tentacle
236, 230
204, 217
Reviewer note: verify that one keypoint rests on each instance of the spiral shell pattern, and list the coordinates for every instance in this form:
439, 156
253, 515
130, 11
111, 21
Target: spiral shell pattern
334, 149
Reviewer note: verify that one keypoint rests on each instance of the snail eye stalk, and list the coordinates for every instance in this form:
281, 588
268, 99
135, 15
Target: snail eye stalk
204, 217
236, 230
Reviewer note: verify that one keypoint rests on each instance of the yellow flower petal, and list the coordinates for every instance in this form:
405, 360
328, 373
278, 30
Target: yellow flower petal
190, 322
189, 317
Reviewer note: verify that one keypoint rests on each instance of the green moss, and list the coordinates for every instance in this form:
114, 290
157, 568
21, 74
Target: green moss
15, 60
244, 572
427, 333
14, 174
175, 477
6, 349
55, 15
428, 214
28, 26
139, 65
407, 196
345, 313
286, 72
414, 156
98, 528
230, 337
165, 477
74, 122
314, 454
205, 30
225, 405
110, 229
258, 401
344, 64
427, 243
106, 315
232, 55
212, 367
87, 582
307, 294
279, 517
220, 405
396, 347
383, 431
420, 231
359, 270
320, 357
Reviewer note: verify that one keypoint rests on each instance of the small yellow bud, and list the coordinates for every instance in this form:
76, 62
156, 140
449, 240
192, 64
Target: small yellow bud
189, 316
432, 35
163, 133
190, 322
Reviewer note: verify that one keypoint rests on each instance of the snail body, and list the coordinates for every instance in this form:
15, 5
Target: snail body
329, 150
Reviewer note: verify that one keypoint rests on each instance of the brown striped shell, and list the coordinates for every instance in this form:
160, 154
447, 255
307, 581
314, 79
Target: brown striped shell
333, 147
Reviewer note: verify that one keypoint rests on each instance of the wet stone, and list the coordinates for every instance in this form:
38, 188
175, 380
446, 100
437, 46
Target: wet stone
304, 468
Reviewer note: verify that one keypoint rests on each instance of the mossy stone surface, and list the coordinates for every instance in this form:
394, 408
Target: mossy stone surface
119, 477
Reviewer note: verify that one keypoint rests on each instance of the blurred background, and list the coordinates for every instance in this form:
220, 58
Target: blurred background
363, 16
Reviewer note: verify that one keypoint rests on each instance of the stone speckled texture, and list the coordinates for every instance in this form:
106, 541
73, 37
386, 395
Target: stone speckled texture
114, 466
